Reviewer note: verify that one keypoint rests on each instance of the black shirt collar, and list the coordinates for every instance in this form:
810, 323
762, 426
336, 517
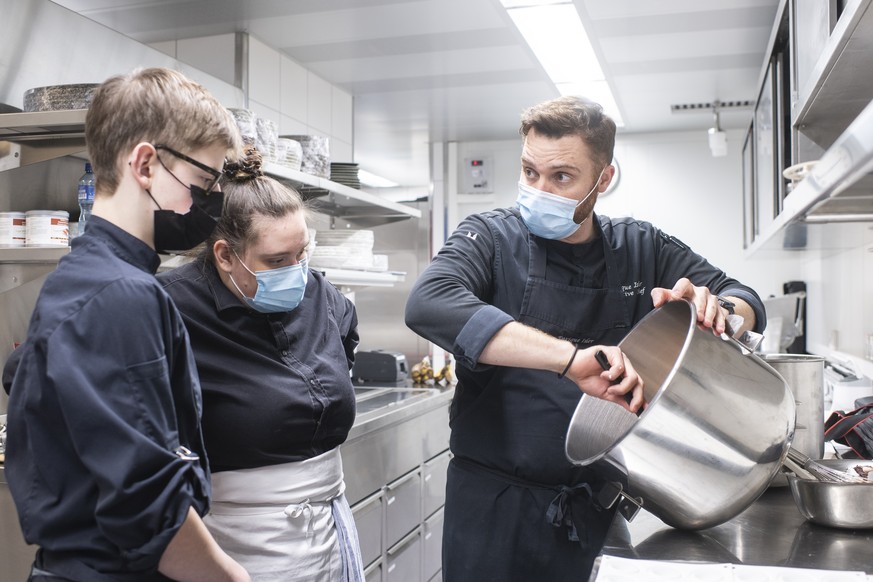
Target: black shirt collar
125, 245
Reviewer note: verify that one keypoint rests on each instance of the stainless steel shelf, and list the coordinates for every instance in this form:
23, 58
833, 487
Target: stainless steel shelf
354, 278
838, 89
38, 137
832, 208
41, 136
339, 277
342, 201
45, 125
32, 254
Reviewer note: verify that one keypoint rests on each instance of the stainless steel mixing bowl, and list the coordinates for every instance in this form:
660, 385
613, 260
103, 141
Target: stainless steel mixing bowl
843, 505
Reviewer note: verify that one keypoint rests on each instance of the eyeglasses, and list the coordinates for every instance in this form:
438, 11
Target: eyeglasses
210, 186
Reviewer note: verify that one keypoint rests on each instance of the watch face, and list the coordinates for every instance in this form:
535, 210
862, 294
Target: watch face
616, 178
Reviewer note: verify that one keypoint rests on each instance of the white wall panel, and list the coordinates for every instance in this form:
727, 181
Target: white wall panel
341, 118
264, 74
318, 104
292, 126
262, 110
293, 89
212, 54
340, 151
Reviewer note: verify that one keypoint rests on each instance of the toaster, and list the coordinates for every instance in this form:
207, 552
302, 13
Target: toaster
380, 366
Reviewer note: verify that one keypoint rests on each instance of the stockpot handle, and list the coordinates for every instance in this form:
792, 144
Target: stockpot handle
613, 492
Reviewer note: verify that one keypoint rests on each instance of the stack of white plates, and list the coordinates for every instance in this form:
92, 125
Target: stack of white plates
316, 154
289, 153
343, 249
246, 122
267, 138
345, 174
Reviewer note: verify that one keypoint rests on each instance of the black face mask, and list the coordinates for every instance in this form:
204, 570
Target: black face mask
180, 232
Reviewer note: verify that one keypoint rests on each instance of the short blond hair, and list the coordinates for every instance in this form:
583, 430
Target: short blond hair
155, 105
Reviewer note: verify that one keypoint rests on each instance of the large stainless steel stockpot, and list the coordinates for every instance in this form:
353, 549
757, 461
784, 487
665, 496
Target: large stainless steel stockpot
718, 424
804, 375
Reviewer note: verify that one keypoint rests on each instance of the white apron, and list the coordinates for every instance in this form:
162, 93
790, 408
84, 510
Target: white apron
287, 522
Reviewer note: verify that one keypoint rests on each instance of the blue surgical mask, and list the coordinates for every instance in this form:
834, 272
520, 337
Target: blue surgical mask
548, 215
278, 289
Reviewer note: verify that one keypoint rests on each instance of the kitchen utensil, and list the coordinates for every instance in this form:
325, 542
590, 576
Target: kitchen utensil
796, 468
840, 505
604, 363
817, 470
716, 429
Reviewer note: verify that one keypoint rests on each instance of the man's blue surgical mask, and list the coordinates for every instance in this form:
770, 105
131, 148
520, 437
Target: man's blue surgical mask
278, 289
548, 215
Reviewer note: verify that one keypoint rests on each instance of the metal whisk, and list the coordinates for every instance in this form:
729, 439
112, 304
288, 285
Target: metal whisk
805, 467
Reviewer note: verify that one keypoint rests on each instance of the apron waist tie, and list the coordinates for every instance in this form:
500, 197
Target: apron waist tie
304, 508
558, 513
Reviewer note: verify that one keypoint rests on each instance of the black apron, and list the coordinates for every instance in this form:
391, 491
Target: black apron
516, 508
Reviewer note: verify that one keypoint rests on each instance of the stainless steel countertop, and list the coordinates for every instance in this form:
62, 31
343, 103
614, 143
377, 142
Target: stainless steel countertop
379, 406
771, 532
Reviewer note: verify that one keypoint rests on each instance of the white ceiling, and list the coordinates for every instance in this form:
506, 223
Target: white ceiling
424, 71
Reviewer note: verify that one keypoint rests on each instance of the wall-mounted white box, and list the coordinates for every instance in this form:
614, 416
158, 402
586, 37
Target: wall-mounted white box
477, 175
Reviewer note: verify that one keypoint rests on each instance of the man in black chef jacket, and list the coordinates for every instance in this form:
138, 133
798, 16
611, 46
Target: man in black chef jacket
523, 297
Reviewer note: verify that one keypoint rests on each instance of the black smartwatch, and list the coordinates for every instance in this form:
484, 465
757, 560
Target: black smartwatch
729, 305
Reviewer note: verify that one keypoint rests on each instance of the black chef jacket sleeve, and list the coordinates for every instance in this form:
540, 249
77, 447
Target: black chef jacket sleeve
347, 320
10, 367
676, 260
449, 304
120, 409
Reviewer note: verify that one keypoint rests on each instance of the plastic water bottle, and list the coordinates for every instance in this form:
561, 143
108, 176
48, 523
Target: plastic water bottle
86, 197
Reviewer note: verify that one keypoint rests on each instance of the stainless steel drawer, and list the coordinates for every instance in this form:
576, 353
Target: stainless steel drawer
373, 573
435, 471
433, 544
368, 520
402, 507
404, 560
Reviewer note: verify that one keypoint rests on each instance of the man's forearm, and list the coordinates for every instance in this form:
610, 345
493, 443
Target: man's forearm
519, 346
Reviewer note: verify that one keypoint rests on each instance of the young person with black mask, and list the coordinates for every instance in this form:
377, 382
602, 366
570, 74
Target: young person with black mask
105, 458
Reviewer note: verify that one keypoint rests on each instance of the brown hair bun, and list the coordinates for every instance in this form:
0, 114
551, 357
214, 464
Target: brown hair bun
247, 168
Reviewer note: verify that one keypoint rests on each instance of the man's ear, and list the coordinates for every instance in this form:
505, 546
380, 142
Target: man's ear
141, 161
606, 179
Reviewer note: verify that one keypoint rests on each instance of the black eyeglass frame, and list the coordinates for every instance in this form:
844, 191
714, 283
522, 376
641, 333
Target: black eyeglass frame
200, 165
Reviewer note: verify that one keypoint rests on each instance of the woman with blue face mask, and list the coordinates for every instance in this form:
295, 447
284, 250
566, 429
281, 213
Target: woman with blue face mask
274, 343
